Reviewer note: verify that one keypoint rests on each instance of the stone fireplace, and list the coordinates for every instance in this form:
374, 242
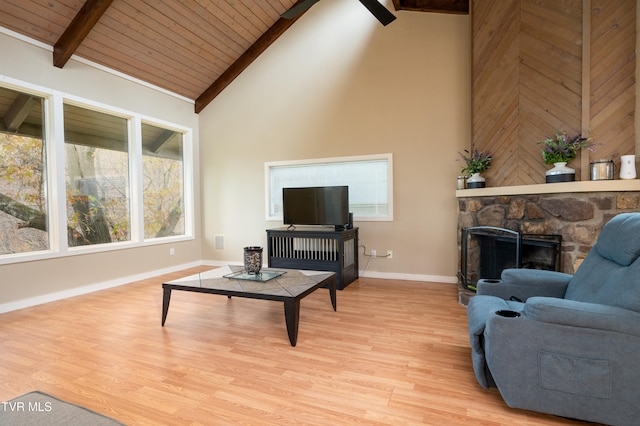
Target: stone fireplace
576, 211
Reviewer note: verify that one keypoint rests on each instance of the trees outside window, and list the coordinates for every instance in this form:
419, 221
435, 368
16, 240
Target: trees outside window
124, 178
23, 205
97, 177
163, 186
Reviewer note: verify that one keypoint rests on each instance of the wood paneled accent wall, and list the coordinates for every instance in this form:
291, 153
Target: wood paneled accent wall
546, 65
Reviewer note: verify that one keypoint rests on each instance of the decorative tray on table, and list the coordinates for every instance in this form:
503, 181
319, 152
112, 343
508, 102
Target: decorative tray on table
262, 276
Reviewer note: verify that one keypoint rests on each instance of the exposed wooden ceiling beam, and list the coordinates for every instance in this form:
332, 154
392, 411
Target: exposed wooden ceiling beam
255, 50
78, 29
440, 6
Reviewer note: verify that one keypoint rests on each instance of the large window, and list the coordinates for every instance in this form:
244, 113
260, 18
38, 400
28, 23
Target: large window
23, 178
78, 177
369, 177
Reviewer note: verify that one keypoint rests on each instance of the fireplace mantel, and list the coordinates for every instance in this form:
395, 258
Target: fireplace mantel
554, 188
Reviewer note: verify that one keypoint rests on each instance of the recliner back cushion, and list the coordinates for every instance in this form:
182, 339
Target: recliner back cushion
619, 240
610, 274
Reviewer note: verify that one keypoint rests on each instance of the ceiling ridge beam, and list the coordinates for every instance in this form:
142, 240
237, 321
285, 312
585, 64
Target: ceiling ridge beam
78, 29
251, 54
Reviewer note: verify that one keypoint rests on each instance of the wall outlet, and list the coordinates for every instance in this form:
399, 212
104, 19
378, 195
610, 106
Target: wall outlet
219, 241
389, 254
172, 251
374, 253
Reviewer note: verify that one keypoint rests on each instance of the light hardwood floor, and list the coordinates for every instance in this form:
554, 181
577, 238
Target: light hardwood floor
395, 352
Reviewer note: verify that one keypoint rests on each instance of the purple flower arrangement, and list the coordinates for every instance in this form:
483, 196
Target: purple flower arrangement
562, 149
476, 161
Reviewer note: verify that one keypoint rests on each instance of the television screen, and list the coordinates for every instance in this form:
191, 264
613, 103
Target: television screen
321, 205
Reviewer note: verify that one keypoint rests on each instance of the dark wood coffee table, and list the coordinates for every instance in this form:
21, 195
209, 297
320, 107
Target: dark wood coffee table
290, 288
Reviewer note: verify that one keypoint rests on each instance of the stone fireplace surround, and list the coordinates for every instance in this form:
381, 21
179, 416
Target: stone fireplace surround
575, 210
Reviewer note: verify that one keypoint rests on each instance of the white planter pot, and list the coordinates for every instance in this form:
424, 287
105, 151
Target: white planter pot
560, 173
476, 181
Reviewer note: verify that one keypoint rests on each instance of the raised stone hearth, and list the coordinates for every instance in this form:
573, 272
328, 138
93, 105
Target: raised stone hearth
577, 216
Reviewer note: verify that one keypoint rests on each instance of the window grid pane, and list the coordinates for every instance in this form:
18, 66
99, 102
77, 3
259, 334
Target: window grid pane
97, 177
23, 218
163, 182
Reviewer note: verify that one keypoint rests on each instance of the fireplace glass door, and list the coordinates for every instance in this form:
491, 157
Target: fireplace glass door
486, 251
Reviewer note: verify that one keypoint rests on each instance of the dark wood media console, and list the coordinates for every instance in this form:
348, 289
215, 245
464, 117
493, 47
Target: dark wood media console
316, 249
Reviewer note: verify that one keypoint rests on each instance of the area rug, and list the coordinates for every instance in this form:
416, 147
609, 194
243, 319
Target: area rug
38, 408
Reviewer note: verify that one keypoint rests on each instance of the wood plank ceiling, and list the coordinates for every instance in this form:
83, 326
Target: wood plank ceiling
193, 48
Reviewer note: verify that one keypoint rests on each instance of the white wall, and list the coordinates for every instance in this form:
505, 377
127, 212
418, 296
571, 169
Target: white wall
33, 282
338, 83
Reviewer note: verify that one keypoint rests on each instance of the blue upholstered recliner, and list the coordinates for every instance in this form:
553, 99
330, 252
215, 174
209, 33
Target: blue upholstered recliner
574, 350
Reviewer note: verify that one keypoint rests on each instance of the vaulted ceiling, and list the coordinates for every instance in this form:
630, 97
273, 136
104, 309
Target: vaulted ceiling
193, 48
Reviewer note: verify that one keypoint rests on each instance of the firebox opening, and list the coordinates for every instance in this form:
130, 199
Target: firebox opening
487, 251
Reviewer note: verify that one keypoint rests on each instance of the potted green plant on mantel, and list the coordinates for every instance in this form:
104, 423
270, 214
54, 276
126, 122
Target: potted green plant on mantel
476, 163
559, 150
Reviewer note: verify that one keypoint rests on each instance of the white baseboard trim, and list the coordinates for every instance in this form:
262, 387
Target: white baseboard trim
223, 263
59, 295
410, 277
371, 274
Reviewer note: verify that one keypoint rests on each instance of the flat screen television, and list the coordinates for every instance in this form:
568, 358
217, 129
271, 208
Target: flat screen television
319, 205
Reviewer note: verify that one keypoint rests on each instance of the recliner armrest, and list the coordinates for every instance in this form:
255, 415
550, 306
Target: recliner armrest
522, 284
583, 314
